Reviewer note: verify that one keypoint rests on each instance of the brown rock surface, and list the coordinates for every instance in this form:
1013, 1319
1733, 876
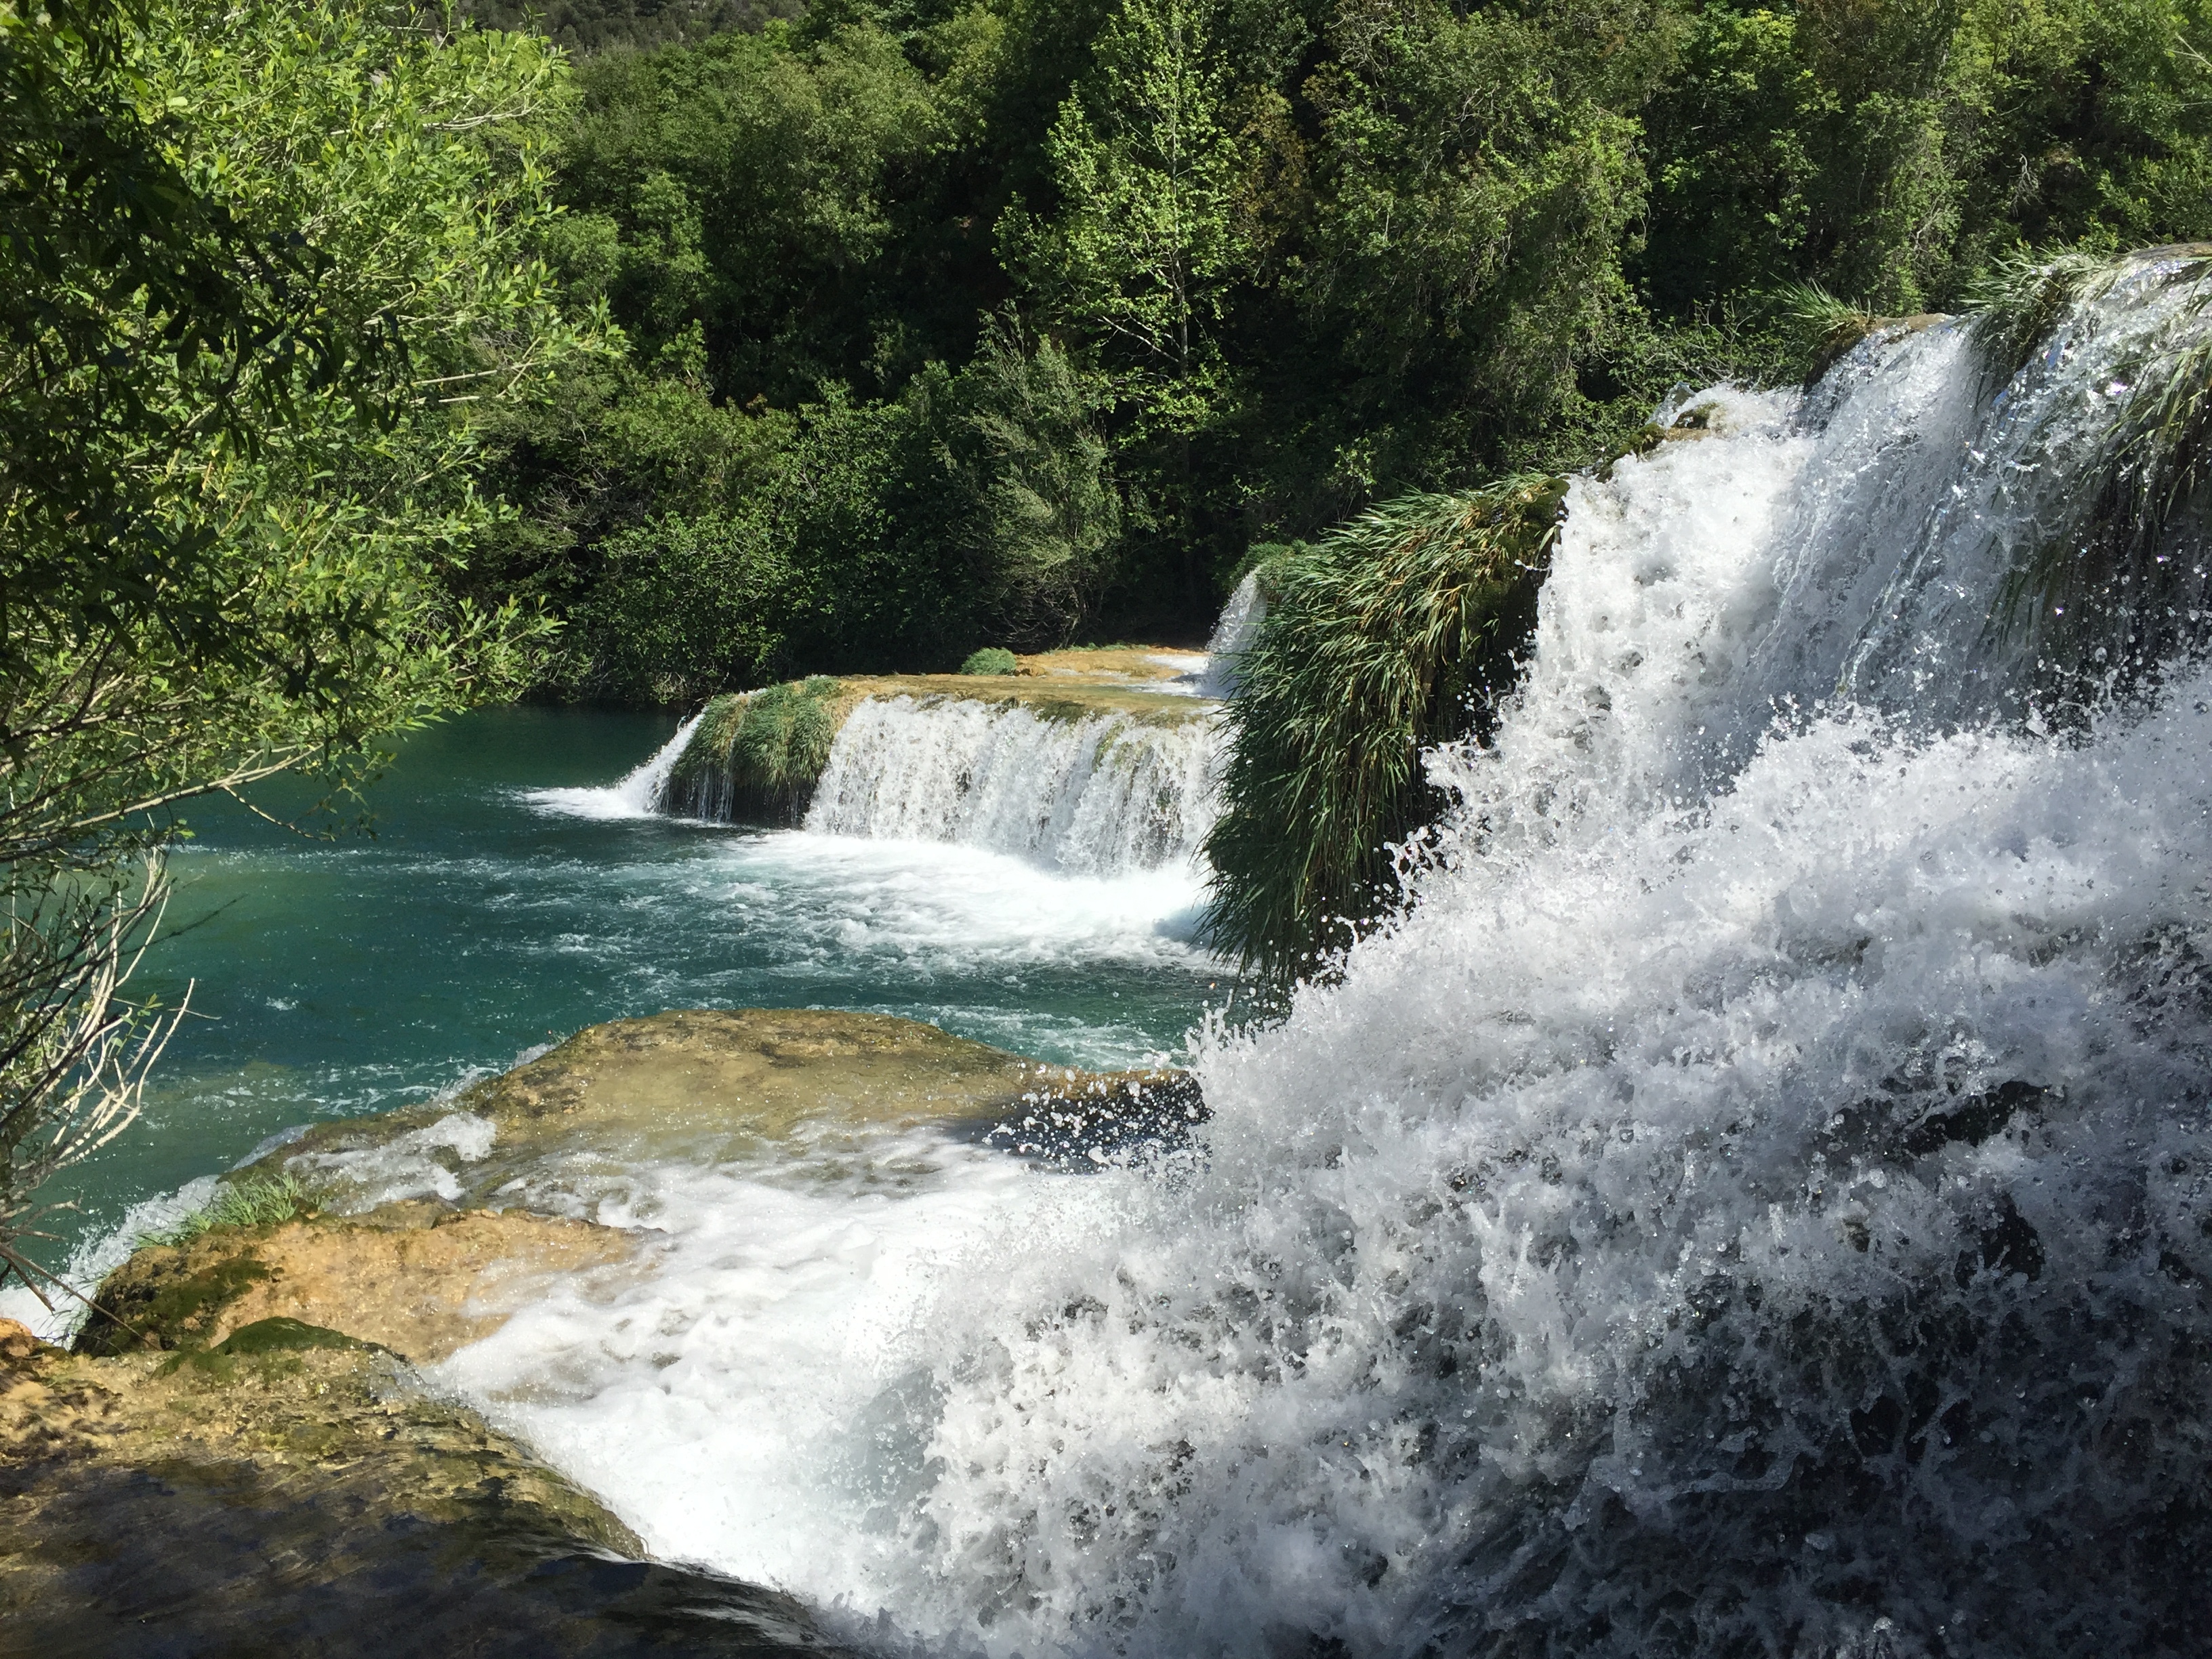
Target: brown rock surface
232, 1469
289, 1495
414, 1278
701, 1085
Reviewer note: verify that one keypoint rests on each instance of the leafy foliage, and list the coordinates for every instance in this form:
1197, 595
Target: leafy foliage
1387, 637
260, 265
1099, 293
991, 659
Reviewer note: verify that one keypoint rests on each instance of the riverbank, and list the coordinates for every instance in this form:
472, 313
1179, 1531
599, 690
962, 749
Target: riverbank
497, 908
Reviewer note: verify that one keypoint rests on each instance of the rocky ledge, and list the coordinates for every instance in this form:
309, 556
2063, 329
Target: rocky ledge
239, 1457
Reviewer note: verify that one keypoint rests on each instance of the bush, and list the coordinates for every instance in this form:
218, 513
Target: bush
683, 608
991, 659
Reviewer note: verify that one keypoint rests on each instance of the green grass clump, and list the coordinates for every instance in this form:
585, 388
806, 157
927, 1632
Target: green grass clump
2014, 305
991, 659
1393, 633
264, 1201
1823, 326
2099, 593
757, 754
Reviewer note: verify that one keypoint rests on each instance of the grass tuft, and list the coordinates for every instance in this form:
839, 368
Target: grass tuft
2013, 305
758, 754
264, 1201
991, 659
2100, 591
1395, 632
1825, 326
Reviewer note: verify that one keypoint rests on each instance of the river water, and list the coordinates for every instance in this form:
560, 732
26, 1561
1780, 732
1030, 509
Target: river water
508, 896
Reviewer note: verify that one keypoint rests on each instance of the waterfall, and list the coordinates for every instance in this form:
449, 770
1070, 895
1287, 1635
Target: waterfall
1233, 634
1757, 1200
1760, 1199
1093, 794
641, 792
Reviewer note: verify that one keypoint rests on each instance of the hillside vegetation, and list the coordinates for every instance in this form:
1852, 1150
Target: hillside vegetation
954, 324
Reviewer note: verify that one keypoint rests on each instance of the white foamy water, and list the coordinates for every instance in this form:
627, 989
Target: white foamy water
1759, 1200
779, 1346
1101, 794
640, 794
1234, 633
57, 1316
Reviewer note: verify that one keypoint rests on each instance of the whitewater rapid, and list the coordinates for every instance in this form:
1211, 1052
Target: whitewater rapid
1757, 1200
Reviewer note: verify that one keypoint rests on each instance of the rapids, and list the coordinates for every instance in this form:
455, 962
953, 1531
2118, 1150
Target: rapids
1757, 1200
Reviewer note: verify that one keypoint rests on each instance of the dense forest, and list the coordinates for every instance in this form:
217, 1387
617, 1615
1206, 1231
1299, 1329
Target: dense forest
942, 325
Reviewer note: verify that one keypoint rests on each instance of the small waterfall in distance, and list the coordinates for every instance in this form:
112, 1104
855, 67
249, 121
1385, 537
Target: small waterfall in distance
1097, 794
1232, 635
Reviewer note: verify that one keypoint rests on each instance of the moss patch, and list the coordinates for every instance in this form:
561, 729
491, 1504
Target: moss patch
171, 1295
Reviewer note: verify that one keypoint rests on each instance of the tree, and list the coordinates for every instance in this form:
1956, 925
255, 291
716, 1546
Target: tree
1050, 515
258, 265
1144, 249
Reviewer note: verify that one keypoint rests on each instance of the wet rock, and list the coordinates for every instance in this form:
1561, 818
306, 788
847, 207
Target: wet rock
414, 1278
239, 1458
293, 1492
699, 1085
1085, 1121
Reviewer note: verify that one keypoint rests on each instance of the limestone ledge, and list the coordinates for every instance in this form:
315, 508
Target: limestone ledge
241, 1435
423, 1276
294, 1491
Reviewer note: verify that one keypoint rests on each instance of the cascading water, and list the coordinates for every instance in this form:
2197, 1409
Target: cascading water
1233, 634
1096, 794
1758, 1202
641, 792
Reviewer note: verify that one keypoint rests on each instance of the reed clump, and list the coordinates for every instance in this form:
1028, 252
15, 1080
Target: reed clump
1394, 633
2104, 593
757, 755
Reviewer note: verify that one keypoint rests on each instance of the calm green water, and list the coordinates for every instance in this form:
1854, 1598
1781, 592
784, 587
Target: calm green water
482, 919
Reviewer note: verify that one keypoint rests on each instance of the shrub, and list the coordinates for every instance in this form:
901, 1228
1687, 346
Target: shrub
991, 659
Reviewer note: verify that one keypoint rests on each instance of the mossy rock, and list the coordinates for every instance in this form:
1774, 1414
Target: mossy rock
417, 1278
